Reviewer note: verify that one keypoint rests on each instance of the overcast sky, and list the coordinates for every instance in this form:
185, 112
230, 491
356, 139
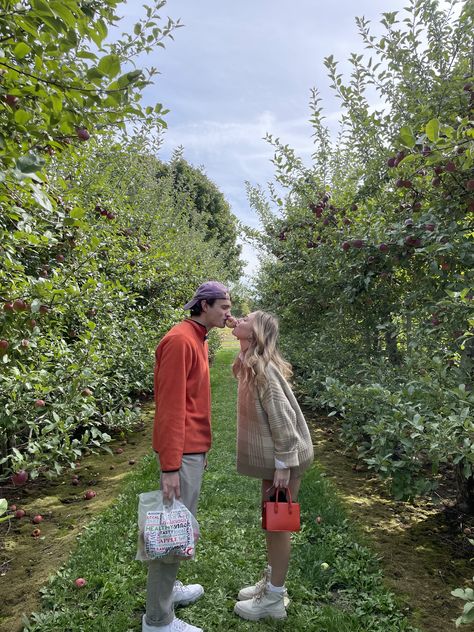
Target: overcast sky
238, 70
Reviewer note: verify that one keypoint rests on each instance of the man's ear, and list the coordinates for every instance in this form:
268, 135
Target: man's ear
204, 305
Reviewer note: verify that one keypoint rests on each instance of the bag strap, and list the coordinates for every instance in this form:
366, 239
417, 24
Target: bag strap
288, 502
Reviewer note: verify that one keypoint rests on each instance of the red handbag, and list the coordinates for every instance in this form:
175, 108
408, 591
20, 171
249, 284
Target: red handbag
281, 515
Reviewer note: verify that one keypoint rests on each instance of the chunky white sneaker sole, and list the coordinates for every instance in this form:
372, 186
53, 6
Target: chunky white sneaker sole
244, 610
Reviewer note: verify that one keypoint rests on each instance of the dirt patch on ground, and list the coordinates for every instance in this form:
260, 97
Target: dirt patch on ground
423, 548
26, 562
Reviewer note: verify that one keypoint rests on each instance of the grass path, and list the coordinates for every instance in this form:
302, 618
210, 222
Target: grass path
348, 597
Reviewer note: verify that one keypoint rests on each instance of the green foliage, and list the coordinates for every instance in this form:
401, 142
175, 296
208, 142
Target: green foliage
97, 256
370, 249
206, 209
467, 595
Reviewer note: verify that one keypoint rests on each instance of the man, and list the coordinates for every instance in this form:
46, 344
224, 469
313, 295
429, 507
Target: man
182, 438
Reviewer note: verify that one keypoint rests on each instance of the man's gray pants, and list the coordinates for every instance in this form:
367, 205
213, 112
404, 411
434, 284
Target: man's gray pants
162, 575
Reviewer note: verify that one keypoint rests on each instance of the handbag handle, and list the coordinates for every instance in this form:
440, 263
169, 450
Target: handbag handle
289, 502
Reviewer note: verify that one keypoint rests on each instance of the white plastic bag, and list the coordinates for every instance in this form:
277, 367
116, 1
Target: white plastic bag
165, 530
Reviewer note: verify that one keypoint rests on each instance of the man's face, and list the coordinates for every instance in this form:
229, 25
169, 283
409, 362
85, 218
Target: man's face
216, 315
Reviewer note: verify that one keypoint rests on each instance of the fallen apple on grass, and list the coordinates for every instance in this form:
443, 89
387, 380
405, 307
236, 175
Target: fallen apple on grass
80, 582
90, 493
19, 478
37, 519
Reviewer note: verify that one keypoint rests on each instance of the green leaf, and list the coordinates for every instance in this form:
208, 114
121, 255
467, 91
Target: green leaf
21, 50
22, 117
432, 129
3, 505
77, 213
407, 137
109, 65
30, 163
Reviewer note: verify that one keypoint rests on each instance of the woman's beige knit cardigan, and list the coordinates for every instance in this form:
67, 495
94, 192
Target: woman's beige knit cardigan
270, 425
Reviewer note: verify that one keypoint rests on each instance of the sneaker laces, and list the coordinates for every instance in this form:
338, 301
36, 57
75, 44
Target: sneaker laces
262, 590
178, 586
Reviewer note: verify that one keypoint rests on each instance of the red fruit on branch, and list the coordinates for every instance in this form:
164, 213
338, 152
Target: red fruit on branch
430, 227
416, 206
82, 133
60, 258
39, 403
8, 307
11, 100
19, 478
450, 167
345, 246
44, 309
436, 182
32, 323
4, 344
19, 305
383, 247
438, 170
470, 185
86, 392
358, 243
391, 162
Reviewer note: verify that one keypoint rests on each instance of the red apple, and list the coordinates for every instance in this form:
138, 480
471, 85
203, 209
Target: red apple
32, 323
19, 305
25, 343
119, 451
20, 513
358, 243
11, 100
80, 582
60, 258
39, 403
86, 392
12, 508
82, 133
44, 309
4, 344
19, 478
37, 519
346, 245
8, 307
450, 167
90, 493
383, 247
470, 185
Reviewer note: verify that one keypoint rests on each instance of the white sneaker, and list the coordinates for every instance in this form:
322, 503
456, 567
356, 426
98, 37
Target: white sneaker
249, 592
264, 604
177, 625
184, 595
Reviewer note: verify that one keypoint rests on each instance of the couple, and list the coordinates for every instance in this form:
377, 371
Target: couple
273, 443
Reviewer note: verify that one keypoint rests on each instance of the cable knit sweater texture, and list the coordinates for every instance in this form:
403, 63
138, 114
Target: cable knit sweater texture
270, 425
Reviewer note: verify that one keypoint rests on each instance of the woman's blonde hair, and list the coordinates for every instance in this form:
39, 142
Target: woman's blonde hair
261, 351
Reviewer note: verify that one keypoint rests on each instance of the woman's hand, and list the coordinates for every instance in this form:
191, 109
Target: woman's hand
281, 478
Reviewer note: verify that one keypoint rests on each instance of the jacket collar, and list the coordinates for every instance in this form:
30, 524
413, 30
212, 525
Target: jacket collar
201, 330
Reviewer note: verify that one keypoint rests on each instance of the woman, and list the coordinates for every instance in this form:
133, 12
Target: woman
273, 444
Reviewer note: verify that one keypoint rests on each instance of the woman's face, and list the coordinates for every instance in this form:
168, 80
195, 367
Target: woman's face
244, 328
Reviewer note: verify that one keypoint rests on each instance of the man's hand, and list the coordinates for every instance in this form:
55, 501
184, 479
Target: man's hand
281, 478
170, 485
